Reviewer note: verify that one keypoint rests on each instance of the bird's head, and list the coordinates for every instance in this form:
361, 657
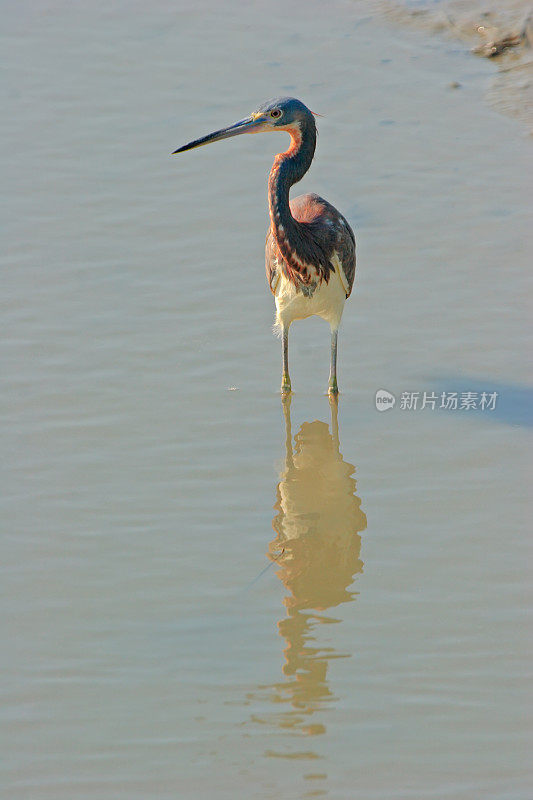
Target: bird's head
282, 113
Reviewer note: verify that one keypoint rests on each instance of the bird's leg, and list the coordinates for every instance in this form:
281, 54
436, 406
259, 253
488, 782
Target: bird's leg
333, 388
285, 380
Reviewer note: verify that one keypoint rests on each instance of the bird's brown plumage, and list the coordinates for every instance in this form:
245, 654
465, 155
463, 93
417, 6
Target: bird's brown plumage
320, 232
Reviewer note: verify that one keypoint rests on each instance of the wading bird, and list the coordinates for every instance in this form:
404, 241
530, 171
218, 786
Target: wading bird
310, 247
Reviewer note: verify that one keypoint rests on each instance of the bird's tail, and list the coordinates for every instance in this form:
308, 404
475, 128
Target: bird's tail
277, 328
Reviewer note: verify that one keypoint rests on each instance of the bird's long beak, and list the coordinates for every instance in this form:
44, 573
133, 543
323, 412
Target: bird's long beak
248, 125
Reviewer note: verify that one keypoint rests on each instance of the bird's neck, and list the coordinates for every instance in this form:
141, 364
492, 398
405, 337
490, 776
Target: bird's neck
288, 169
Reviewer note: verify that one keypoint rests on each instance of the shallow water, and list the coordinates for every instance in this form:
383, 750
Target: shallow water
481, 26
210, 594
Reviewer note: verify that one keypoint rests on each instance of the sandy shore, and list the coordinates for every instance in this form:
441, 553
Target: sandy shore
501, 32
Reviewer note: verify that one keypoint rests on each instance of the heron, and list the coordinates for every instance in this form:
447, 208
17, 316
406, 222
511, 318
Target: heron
310, 247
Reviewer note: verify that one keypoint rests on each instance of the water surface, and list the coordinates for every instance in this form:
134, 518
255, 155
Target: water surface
383, 652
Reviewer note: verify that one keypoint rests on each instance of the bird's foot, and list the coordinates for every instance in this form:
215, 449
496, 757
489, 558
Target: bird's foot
333, 389
286, 385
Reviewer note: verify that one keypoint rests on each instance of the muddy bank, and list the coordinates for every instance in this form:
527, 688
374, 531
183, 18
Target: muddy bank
501, 32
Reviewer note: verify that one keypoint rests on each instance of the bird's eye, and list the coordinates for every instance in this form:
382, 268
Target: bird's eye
276, 113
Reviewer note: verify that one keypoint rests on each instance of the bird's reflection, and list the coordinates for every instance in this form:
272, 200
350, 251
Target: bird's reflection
317, 549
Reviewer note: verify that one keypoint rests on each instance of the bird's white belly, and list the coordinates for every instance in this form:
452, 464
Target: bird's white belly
327, 301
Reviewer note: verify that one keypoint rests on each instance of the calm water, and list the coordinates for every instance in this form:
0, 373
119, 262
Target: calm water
207, 593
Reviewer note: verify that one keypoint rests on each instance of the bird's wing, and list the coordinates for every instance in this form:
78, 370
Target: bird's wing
271, 263
331, 232
345, 252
